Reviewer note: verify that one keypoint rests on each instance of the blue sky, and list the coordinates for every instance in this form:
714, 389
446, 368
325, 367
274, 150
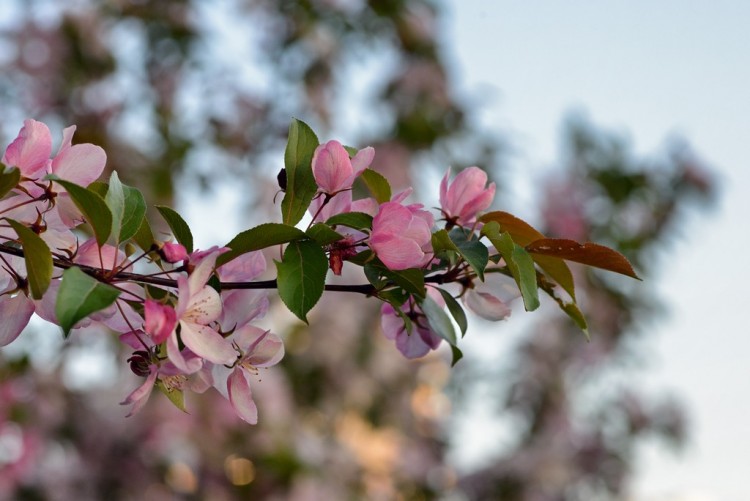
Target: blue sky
653, 70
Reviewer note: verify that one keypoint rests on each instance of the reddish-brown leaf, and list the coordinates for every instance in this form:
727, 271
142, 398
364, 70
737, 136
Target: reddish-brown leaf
521, 231
589, 253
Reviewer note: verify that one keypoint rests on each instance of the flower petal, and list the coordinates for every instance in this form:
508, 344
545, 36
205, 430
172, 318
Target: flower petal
15, 312
207, 343
241, 397
31, 149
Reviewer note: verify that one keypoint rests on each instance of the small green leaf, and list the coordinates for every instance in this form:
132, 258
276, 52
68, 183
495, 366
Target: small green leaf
38, 259
439, 321
411, 280
300, 182
377, 184
92, 206
456, 355
134, 213
144, 237
179, 227
441, 242
9, 178
177, 397
473, 251
519, 262
115, 199
355, 220
260, 237
456, 311
79, 296
570, 309
301, 276
324, 234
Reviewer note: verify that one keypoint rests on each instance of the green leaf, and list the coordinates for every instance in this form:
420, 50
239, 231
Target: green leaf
456, 311
38, 259
115, 199
92, 206
301, 276
99, 187
177, 397
179, 227
411, 280
456, 355
134, 213
144, 237
377, 184
79, 296
441, 242
570, 309
519, 263
324, 234
9, 178
355, 220
557, 270
260, 237
300, 184
439, 321
473, 251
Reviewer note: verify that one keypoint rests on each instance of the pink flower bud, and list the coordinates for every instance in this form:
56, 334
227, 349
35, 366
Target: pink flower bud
173, 253
466, 196
332, 168
401, 236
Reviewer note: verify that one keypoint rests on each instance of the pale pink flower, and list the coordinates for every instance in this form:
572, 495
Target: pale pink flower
491, 299
334, 171
421, 339
259, 349
401, 236
30, 150
466, 196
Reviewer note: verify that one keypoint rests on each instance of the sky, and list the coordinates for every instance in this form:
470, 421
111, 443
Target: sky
652, 71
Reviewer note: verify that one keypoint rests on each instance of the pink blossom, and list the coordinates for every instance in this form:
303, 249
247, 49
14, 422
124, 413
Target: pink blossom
15, 312
334, 171
31, 149
491, 299
259, 349
466, 196
421, 339
401, 236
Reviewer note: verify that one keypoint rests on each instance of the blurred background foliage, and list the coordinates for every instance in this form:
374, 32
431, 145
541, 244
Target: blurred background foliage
188, 95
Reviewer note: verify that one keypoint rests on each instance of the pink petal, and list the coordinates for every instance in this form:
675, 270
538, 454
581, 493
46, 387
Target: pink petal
241, 397
248, 266
412, 345
332, 168
362, 160
397, 253
31, 149
263, 348
173, 252
338, 204
15, 312
207, 343
203, 307
204, 262
241, 307
81, 163
486, 305
140, 395
186, 365
161, 321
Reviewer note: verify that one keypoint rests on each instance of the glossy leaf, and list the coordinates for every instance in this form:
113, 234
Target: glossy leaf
9, 178
300, 182
521, 231
355, 220
439, 321
144, 237
38, 259
458, 313
301, 276
260, 237
115, 199
79, 296
441, 242
570, 309
323, 234
134, 212
179, 227
377, 184
456, 355
473, 251
93, 207
591, 254
519, 263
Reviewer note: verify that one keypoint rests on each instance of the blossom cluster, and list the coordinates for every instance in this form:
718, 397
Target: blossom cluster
69, 253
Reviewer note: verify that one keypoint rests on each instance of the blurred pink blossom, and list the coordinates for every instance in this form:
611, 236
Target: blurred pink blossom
462, 199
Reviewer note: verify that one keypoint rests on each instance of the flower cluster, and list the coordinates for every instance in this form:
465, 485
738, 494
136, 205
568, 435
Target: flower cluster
190, 316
